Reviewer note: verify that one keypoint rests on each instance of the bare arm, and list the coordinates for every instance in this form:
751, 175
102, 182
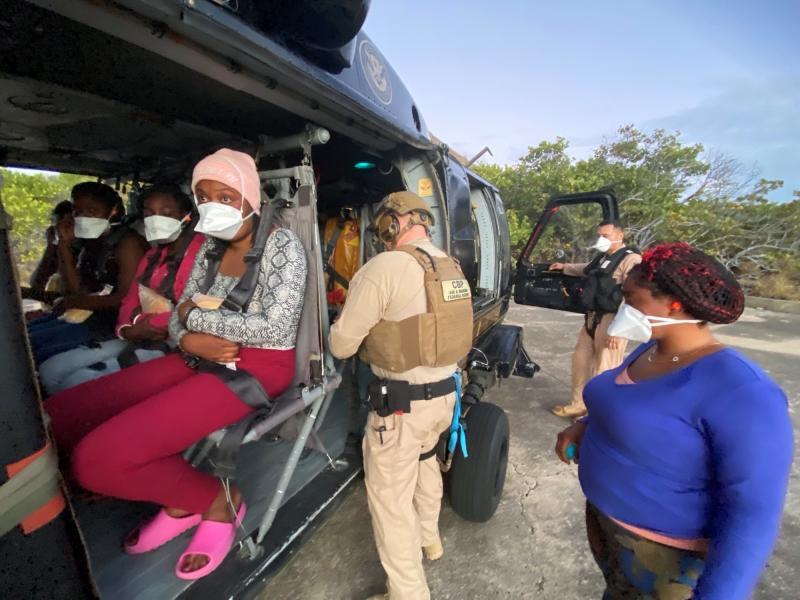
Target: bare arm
68, 268
48, 264
626, 265
575, 269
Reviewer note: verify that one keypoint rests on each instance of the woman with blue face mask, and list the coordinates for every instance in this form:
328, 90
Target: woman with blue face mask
95, 279
685, 455
145, 310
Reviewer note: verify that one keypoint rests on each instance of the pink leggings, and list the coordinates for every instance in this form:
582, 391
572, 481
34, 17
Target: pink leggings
126, 432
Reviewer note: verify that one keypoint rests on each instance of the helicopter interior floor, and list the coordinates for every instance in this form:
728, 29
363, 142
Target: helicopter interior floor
106, 522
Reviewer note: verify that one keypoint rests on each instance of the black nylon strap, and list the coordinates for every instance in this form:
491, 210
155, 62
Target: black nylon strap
227, 454
430, 453
154, 260
334, 240
427, 391
338, 278
213, 259
167, 287
250, 391
239, 297
242, 383
590, 322
127, 357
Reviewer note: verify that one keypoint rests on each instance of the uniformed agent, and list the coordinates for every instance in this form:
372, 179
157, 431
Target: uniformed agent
596, 351
408, 314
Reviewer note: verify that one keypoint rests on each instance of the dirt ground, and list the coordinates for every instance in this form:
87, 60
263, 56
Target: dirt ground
534, 546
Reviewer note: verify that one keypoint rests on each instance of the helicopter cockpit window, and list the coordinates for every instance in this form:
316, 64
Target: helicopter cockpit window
486, 251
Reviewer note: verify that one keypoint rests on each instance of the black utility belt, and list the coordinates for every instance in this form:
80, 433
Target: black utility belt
387, 396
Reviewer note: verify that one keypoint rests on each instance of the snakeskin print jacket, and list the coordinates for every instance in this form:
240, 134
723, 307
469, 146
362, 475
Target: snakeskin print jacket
273, 315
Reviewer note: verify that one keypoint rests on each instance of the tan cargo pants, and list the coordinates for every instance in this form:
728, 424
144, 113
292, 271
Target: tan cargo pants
404, 493
592, 356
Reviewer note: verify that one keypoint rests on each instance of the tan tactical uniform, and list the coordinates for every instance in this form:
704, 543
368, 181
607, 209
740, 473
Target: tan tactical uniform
592, 356
404, 493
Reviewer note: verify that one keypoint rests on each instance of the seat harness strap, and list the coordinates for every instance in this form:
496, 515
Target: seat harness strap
239, 297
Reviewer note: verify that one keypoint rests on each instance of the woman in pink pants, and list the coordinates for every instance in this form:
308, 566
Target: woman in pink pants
126, 432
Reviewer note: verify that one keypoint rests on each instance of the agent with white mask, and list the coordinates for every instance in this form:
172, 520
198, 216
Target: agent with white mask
596, 351
686, 452
144, 313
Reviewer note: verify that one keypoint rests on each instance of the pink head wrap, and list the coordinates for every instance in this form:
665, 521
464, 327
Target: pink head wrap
236, 170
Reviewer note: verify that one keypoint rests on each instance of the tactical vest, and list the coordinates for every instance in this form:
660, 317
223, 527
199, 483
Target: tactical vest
439, 337
601, 293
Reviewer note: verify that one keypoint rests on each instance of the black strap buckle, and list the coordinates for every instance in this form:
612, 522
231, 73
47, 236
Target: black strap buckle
191, 361
232, 306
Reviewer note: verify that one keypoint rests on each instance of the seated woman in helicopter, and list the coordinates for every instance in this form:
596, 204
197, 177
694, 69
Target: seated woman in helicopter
126, 432
96, 280
144, 313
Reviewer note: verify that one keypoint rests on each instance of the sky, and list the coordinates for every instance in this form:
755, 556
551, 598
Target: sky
510, 73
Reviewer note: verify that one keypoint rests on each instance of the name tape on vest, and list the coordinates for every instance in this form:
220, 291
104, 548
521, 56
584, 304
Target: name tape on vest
455, 289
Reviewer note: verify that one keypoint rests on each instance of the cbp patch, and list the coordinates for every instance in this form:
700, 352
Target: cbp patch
455, 289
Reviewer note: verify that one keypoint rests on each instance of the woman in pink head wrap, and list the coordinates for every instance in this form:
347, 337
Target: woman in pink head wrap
126, 432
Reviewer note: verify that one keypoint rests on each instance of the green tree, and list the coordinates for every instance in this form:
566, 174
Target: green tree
29, 199
667, 190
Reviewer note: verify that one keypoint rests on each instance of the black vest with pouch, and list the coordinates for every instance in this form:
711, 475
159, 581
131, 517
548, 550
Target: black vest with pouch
601, 293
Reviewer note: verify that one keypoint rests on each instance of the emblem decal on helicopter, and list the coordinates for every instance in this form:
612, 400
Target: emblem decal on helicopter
375, 70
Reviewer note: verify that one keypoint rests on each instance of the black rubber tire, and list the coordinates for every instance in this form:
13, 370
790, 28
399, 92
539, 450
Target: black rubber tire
475, 484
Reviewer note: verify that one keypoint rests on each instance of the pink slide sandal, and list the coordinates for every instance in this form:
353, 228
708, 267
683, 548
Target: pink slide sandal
212, 539
159, 530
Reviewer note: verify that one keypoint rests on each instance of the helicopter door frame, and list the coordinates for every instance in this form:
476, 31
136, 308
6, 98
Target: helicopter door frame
459, 214
536, 284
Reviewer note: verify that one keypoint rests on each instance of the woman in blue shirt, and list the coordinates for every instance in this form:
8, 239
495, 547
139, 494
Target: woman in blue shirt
685, 457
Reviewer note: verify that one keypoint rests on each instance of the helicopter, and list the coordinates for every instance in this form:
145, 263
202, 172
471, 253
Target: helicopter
136, 91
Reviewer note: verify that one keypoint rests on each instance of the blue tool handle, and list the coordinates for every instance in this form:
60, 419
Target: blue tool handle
570, 453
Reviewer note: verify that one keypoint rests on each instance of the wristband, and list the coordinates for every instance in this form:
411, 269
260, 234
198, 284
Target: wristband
186, 316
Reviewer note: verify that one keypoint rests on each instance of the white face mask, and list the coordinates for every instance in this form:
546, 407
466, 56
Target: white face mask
603, 244
162, 230
634, 325
90, 228
219, 220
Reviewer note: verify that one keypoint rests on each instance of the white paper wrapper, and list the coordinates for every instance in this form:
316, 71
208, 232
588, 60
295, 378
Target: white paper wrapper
209, 302
79, 315
152, 302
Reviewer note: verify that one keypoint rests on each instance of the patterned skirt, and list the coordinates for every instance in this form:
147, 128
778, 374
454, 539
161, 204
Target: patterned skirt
637, 568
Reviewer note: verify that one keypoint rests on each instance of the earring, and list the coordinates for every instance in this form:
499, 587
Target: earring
676, 306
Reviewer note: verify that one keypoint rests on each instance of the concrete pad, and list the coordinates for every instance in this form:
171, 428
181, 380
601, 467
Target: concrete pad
535, 546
